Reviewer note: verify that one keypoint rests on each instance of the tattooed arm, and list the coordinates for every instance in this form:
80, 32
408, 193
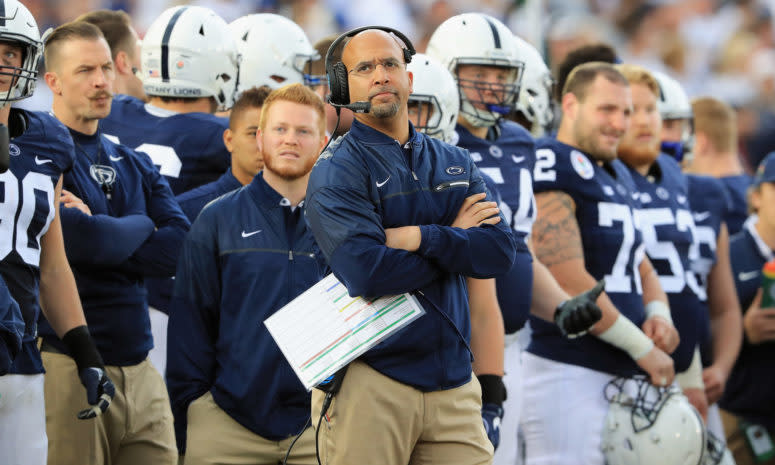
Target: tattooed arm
557, 245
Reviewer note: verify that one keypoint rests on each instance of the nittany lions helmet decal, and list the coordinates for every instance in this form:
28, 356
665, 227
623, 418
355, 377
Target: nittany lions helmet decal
188, 52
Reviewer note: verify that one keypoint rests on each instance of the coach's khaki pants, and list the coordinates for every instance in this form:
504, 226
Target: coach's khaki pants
135, 430
374, 420
213, 437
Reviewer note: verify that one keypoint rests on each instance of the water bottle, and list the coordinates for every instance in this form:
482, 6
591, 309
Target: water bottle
768, 285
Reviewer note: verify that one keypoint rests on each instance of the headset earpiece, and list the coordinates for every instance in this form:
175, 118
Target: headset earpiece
340, 89
337, 72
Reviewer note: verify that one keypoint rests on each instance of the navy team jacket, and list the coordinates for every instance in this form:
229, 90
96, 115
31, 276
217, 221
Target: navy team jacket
247, 255
366, 182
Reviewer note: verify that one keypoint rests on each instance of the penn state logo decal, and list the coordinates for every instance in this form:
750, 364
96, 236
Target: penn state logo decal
455, 170
662, 193
104, 175
14, 150
496, 151
582, 165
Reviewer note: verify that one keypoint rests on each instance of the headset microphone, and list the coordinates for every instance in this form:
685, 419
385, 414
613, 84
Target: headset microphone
357, 107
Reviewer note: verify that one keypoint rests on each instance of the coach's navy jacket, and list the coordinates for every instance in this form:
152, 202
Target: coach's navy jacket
135, 233
366, 182
247, 255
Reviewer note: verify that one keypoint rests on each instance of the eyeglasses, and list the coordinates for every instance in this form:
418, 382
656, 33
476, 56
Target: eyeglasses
366, 68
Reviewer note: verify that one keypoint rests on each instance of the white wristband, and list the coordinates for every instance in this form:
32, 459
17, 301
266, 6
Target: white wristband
692, 377
624, 335
658, 308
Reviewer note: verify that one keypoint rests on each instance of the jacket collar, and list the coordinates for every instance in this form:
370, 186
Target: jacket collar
267, 197
370, 135
228, 181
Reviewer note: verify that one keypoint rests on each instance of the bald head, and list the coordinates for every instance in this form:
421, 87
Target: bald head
368, 40
376, 72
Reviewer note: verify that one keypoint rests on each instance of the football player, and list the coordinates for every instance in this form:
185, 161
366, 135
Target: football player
535, 108
275, 52
433, 109
120, 223
246, 158
715, 134
33, 263
721, 334
585, 231
747, 410
189, 70
666, 221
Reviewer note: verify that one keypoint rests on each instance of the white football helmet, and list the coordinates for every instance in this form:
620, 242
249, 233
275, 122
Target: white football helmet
659, 426
188, 52
535, 92
275, 52
674, 104
478, 39
716, 452
434, 88
17, 25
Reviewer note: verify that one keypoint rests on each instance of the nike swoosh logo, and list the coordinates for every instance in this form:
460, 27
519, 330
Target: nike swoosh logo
112, 158
701, 216
517, 159
42, 161
747, 275
244, 234
380, 184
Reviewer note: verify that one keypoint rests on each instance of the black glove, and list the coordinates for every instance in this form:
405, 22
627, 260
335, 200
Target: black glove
493, 395
91, 371
575, 316
491, 417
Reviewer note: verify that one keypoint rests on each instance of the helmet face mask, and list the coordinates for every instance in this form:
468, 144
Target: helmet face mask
474, 94
649, 424
21, 30
188, 52
480, 40
435, 98
537, 88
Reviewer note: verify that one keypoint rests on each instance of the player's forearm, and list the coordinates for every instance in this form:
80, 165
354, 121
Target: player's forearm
547, 293
59, 298
486, 327
652, 290
725, 315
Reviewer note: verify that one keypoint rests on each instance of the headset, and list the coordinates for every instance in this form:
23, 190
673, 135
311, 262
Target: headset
339, 96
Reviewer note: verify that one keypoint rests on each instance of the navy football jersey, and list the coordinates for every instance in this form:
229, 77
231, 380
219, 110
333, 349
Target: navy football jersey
605, 199
737, 187
666, 222
507, 158
38, 158
187, 147
709, 203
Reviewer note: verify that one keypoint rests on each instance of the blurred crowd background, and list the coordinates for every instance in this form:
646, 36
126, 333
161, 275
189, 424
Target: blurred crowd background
722, 48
